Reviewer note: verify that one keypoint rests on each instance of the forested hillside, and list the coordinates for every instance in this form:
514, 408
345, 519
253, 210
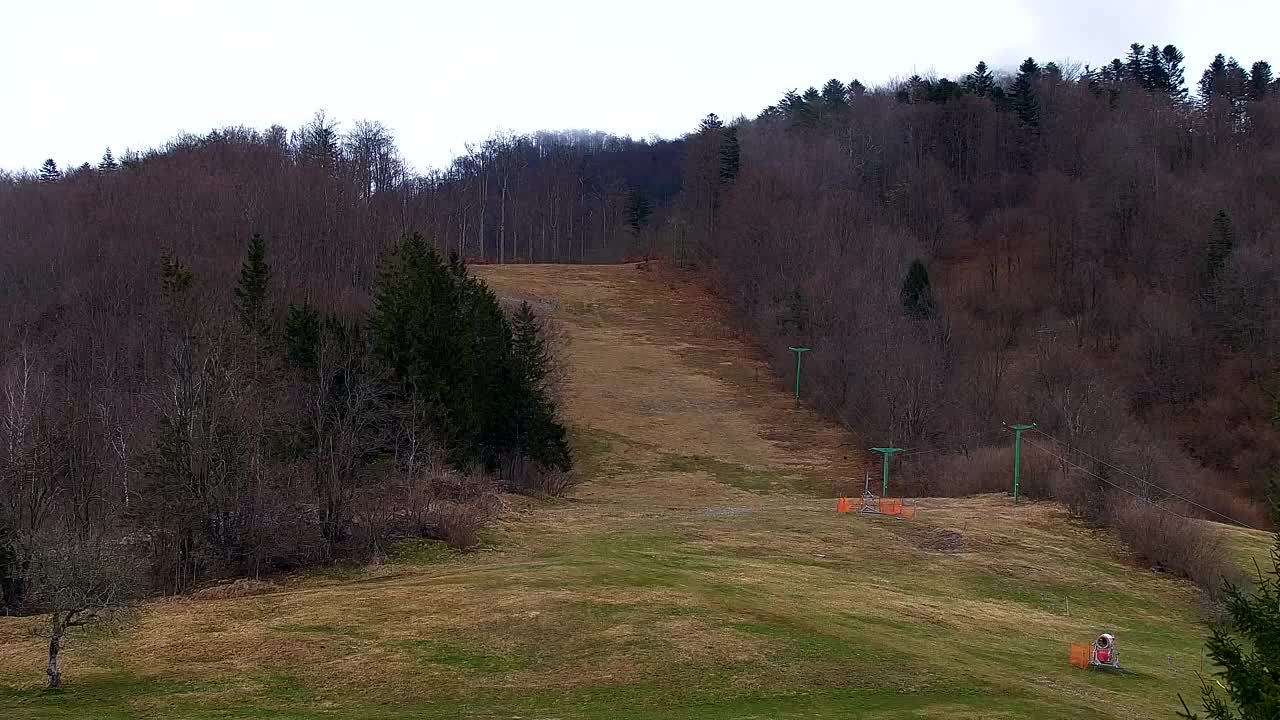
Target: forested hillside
1098, 252
1094, 250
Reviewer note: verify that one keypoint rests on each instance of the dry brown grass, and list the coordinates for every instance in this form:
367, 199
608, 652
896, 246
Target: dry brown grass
652, 361
243, 587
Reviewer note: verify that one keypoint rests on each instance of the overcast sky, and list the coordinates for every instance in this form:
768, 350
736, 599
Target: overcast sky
76, 77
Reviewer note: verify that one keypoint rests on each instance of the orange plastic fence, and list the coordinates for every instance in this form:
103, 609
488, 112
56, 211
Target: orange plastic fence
908, 512
890, 506
1080, 655
843, 504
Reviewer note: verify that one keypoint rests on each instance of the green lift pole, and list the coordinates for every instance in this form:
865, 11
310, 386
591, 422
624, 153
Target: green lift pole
1017, 454
886, 452
799, 351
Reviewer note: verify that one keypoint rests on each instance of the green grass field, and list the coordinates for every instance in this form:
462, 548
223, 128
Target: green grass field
694, 575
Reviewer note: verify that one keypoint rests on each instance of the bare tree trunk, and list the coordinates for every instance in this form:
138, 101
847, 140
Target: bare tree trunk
55, 647
502, 224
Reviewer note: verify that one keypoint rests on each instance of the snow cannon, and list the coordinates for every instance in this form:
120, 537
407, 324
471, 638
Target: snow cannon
1104, 653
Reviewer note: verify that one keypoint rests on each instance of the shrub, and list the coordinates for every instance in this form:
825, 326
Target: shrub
1192, 549
459, 506
458, 522
524, 476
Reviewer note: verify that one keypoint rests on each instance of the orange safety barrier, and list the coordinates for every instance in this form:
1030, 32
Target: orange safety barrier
843, 505
908, 512
890, 506
1080, 655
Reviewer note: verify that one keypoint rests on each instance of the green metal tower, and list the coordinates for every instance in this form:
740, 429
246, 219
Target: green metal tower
799, 351
1017, 454
886, 452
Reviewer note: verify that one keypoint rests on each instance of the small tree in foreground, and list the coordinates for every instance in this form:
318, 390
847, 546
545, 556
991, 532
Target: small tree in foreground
1248, 666
78, 580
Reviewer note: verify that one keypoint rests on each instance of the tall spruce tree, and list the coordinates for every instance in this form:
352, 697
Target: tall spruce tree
49, 172
1023, 96
710, 123
301, 336
1222, 241
254, 286
1171, 59
833, 95
1135, 65
639, 208
1157, 75
1260, 80
1213, 79
917, 295
980, 82
108, 162
1246, 653
541, 437
417, 330
730, 155
1225, 84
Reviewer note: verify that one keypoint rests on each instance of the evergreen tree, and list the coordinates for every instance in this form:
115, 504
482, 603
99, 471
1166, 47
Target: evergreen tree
175, 278
529, 348
251, 293
1260, 80
833, 95
917, 89
108, 162
710, 123
917, 295
1114, 72
1221, 242
1213, 79
1237, 86
856, 89
542, 437
980, 82
799, 111
49, 172
318, 143
730, 155
1135, 66
639, 207
301, 336
444, 337
415, 323
1175, 78
1023, 94
1225, 83
1157, 75
1248, 668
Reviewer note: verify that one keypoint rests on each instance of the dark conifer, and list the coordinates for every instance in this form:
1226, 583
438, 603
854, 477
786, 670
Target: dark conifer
1175, 77
730, 155
49, 172
980, 82
1260, 80
108, 162
301, 336
917, 295
833, 95
1023, 96
255, 281
1221, 242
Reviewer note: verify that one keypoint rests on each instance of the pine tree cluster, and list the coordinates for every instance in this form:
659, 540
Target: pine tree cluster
444, 337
